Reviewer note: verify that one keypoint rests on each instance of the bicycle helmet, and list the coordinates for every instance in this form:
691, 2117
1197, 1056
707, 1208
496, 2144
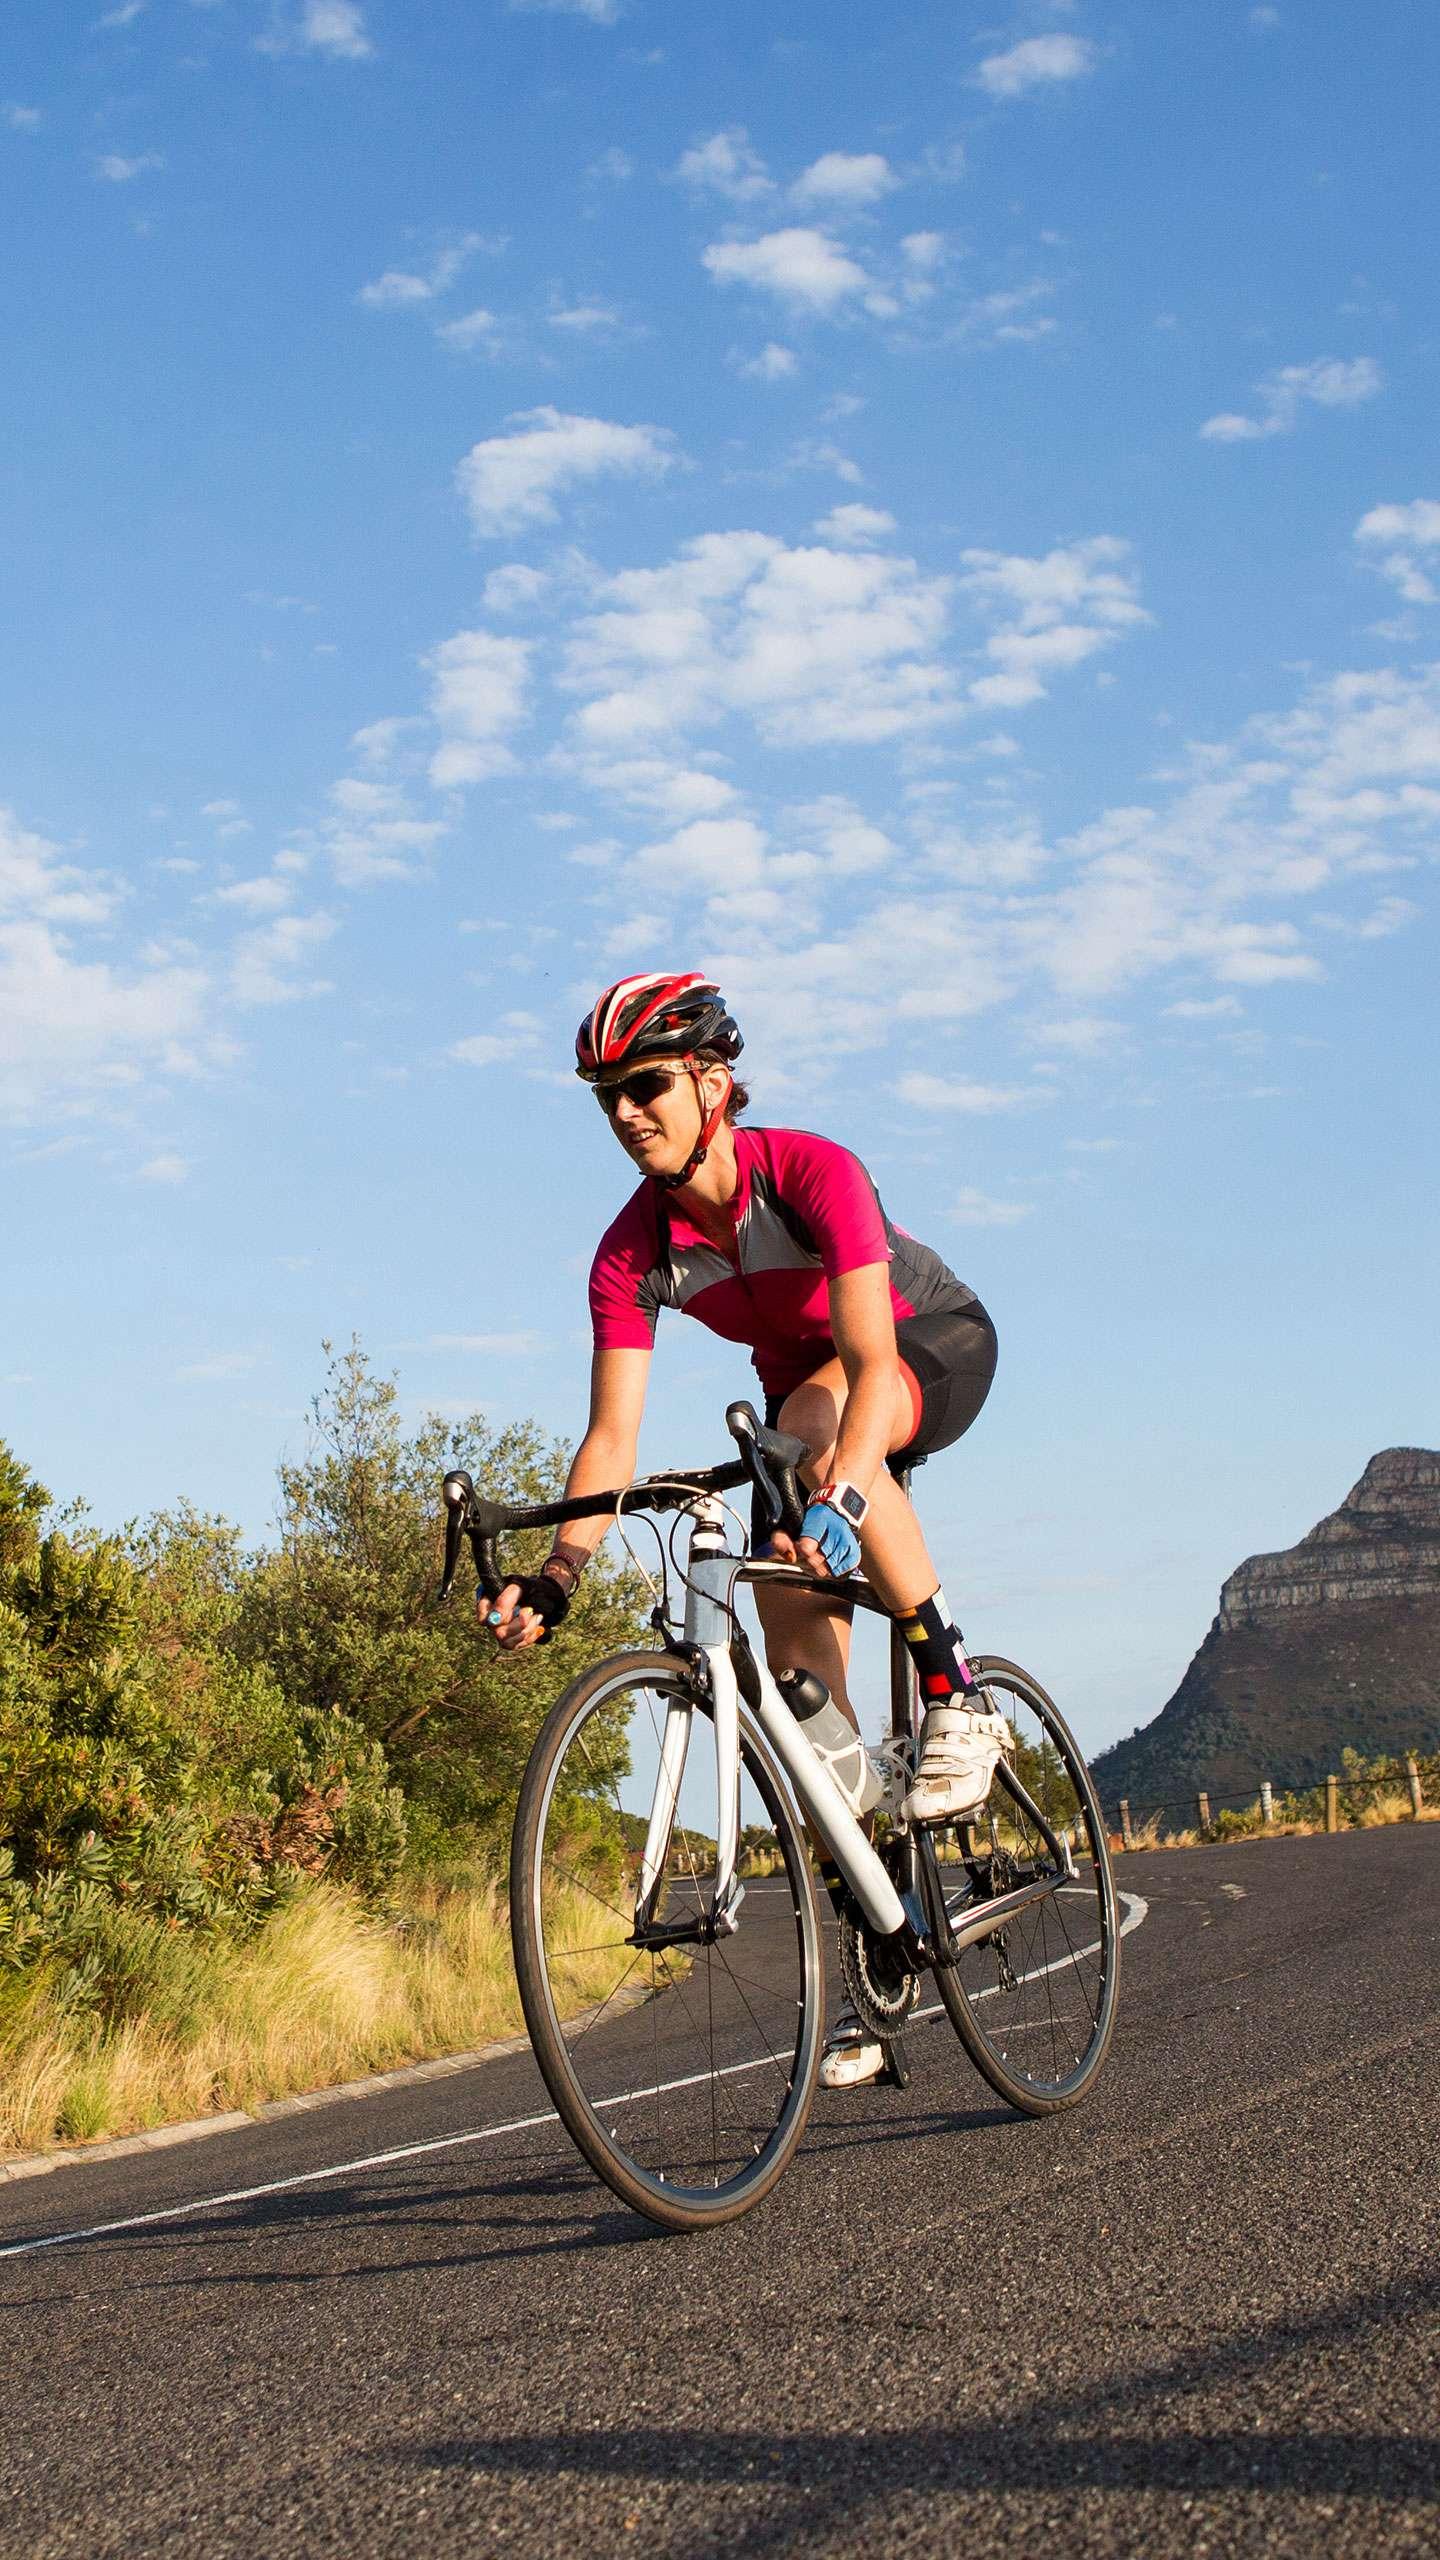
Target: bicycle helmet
665, 1014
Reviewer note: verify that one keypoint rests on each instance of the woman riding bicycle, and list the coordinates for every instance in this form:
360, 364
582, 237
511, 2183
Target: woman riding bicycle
866, 1344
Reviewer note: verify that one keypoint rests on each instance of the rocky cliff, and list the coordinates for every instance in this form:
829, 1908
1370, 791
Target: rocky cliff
1333, 1643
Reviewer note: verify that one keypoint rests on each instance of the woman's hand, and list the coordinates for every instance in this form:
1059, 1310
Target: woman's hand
512, 1627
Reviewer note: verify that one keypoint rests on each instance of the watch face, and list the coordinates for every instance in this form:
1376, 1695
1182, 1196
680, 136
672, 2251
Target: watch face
852, 1503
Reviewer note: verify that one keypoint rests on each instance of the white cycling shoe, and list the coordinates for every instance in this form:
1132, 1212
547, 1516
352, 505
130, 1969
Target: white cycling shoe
959, 1749
851, 2057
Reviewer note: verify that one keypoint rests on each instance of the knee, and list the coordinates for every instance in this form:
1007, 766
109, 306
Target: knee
809, 1414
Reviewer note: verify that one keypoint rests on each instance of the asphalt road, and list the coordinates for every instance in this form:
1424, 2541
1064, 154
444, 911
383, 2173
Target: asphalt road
1200, 2314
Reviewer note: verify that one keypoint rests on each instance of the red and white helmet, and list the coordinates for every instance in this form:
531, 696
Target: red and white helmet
664, 1014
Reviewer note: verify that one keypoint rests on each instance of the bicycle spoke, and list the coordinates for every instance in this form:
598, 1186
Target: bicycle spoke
693, 2099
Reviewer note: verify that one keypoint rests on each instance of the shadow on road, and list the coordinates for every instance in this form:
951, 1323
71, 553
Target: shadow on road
1123, 2435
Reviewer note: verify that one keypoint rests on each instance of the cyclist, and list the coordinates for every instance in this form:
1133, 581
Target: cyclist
866, 1345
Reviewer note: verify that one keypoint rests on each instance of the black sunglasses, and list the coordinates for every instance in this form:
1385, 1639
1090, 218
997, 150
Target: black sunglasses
645, 1087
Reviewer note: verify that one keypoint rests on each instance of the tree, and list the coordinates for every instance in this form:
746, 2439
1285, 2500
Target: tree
343, 1613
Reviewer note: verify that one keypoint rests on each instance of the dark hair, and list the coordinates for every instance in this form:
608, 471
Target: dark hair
739, 1095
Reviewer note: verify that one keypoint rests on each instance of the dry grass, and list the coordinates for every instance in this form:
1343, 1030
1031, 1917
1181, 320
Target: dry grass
322, 1994
1359, 1811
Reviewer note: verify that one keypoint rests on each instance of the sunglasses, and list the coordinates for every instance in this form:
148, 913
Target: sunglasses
645, 1087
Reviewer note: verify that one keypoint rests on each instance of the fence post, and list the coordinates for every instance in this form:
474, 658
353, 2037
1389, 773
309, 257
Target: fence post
1202, 1808
1127, 1833
1332, 1804
1417, 1793
1267, 1801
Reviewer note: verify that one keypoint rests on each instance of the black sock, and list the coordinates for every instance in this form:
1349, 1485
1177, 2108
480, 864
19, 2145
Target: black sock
939, 1652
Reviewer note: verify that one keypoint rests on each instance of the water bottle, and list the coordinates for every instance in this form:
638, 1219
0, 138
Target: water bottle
833, 1739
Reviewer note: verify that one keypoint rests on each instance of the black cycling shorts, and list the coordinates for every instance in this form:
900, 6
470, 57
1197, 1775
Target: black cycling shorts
949, 1361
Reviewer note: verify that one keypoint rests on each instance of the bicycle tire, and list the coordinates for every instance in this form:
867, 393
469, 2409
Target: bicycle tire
1022, 2028
613, 2147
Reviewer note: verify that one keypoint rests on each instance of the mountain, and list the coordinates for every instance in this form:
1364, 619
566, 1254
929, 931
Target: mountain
1331, 1643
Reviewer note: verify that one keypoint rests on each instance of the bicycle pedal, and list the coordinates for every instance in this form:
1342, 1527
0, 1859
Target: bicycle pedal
897, 2063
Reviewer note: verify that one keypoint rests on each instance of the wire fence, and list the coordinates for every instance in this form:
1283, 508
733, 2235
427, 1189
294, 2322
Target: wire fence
1356, 1794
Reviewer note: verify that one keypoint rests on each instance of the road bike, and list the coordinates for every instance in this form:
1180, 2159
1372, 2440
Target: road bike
675, 1827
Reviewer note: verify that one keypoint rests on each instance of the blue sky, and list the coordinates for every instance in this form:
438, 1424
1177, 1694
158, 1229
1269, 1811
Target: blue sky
934, 517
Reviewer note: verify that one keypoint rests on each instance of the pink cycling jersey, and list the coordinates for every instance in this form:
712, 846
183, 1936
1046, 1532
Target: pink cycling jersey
804, 1211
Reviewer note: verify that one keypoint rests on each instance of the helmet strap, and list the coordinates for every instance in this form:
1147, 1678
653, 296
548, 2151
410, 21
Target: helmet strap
708, 1126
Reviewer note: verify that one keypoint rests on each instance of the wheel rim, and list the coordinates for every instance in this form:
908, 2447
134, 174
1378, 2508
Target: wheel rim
1039, 1994
686, 2066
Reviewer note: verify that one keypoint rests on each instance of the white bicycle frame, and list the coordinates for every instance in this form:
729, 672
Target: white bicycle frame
710, 1580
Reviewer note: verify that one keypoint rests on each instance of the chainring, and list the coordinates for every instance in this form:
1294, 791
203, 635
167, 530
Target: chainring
879, 1984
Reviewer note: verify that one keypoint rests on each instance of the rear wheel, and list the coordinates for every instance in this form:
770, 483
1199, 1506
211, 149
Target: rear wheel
1034, 2002
682, 2068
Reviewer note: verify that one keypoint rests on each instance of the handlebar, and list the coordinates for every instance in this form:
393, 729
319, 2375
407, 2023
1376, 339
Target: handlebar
767, 1461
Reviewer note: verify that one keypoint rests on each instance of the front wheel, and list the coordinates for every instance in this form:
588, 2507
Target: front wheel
682, 2068
1034, 2002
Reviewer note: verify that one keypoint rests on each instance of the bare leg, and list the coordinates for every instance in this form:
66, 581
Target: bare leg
799, 1636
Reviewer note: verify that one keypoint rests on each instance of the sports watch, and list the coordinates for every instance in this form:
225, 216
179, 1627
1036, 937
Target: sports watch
847, 1499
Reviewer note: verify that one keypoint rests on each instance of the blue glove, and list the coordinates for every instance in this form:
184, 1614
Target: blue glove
833, 1536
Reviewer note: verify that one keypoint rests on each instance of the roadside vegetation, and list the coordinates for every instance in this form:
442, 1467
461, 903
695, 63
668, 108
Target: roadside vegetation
254, 1803
1372, 1793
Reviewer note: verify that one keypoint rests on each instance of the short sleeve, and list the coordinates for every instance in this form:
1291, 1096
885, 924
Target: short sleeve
837, 1200
623, 1302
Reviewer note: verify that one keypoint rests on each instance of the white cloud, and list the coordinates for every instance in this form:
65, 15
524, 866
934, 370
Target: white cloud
475, 328
972, 1208
335, 28
1332, 382
1010, 318
266, 966
855, 524
845, 178
373, 834
1036, 63
481, 693
949, 1093
117, 171
168, 1170
516, 1039
21, 119
511, 589
923, 250
601, 13
1396, 537
379, 740
220, 1365
773, 363
613, 164
1057, 610
812, 644
586, 319
804, 267
74, 1030
125, 15
264, 896
727, 166
400, 288
513, 480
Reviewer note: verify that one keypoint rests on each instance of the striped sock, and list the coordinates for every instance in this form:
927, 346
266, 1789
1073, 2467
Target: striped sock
938, 1649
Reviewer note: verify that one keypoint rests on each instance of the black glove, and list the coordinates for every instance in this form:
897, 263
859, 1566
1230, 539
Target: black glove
538, 1591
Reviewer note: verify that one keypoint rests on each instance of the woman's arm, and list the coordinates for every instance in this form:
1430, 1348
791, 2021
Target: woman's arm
862, 1327
604, 1460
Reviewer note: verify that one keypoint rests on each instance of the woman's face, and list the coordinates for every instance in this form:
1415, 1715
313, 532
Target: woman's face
659, 1132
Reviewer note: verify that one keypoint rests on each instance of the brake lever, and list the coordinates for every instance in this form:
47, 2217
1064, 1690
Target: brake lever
458, 1493
760, 1450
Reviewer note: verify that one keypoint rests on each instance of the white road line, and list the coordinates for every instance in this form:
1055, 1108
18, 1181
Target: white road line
1137, 1912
